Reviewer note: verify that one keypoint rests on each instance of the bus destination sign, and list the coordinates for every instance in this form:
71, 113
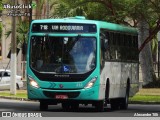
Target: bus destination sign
64, 27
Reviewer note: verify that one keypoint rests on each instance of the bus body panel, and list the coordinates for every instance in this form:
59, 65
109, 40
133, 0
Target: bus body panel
118, 73
134, 86
84, 94
37, 93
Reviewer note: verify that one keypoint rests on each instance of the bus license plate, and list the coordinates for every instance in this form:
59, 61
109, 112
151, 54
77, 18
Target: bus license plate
61, 97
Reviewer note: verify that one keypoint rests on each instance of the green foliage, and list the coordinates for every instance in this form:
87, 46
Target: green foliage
154, 46
118, 11
20, 94
7, 34
128, 12
22, 30
146, 98
150, 95
1, 6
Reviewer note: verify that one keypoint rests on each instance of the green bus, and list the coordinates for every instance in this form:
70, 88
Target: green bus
75, 61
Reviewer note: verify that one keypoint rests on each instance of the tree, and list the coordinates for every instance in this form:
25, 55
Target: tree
148, 27
22, 30
141, 13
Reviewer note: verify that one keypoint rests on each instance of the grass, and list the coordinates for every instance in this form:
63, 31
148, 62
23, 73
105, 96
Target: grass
19, 94
145, 98
147, 95
144, 95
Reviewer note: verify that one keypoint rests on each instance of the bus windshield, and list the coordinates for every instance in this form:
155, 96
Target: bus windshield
62, 54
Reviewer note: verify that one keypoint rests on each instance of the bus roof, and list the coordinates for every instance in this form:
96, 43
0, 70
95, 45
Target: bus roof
100, 24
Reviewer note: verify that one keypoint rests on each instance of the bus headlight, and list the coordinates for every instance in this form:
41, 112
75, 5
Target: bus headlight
91, 83
33, 83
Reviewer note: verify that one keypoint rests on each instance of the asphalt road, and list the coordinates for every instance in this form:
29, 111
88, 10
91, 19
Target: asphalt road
22, 107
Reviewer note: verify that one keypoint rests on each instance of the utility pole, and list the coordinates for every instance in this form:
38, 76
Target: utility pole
13, 53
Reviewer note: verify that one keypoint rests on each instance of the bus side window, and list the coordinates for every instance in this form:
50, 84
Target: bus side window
135, 46
104, 48
118, 48
111, 47
129, 47
107, 51
123, 49
102, 37
105, 42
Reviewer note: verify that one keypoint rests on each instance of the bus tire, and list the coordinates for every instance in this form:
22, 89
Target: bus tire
99, 106
75, 106
106, 93
124, 101
43, 105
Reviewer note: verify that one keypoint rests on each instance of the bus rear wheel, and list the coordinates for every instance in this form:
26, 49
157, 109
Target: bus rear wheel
124, 101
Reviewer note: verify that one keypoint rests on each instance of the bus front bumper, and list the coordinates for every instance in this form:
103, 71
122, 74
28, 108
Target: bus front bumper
80, 94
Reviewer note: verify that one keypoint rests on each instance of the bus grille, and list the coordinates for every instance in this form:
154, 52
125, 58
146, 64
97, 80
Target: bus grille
53, 94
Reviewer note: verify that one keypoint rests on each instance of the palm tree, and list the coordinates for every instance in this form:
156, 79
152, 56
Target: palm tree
22, 32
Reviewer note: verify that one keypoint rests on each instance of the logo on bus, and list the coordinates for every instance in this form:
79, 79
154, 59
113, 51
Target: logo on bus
61, 86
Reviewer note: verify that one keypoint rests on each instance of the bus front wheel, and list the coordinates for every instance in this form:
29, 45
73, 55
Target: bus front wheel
65, 106
74, 106
43, 105
99, 106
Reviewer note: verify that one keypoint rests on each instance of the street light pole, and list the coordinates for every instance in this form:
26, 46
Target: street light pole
13, 54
